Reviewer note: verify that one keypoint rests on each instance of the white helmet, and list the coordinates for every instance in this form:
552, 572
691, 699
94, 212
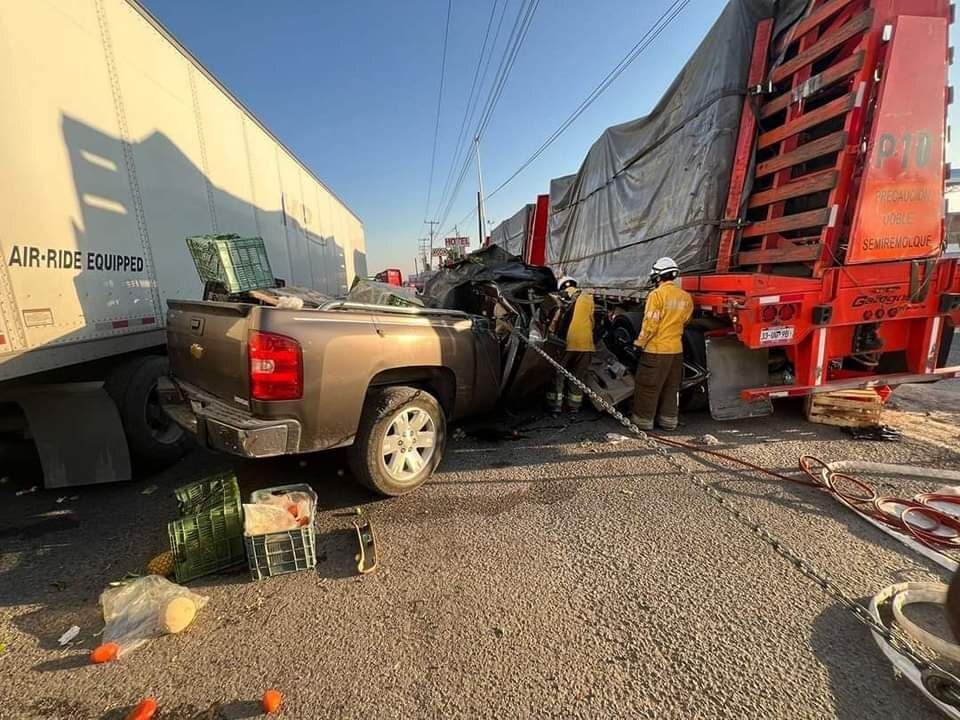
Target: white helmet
565, 281
663, 266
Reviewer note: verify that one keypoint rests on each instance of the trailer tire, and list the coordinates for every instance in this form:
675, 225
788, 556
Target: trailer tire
696, 398
381, 419
151, 436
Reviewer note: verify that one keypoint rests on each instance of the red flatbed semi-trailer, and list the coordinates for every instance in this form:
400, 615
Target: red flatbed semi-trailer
852, 124
830, 260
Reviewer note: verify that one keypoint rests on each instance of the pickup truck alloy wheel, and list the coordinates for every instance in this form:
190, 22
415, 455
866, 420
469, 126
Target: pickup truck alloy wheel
400, 440
408, 444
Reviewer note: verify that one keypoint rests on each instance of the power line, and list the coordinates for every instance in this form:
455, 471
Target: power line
652, 34
511, 50
474, 95
655, 30
436, 126
521, 36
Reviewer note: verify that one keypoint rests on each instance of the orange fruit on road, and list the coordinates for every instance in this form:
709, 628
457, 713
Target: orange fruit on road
271, 701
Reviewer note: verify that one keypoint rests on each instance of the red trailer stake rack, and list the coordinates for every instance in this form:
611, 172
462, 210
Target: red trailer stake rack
830, 259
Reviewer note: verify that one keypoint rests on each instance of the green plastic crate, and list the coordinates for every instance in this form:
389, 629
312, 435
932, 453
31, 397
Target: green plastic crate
206, 542
212, 492
240, 264
283, 552
280, 553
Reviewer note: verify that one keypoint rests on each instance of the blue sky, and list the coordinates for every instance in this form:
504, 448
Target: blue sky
351, 87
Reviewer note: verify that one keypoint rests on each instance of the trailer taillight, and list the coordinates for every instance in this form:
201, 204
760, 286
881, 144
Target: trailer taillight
276, 367
783, 313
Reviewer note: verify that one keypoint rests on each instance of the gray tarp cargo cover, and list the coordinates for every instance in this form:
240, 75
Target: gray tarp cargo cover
512, 232
657, 185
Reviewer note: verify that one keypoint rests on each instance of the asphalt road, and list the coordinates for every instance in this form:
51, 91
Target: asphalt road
552, 575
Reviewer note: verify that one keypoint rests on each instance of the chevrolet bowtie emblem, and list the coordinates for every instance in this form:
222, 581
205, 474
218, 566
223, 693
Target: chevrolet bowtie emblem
196, 350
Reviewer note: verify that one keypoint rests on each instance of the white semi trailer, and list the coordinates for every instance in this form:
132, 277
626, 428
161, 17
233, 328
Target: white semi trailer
115, 145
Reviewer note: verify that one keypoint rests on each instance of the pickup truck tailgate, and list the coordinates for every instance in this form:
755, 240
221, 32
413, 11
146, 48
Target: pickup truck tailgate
207, 345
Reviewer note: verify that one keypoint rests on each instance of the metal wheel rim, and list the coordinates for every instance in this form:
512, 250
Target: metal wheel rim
408, 444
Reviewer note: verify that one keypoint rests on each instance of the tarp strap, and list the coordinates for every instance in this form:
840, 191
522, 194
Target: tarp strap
686, 226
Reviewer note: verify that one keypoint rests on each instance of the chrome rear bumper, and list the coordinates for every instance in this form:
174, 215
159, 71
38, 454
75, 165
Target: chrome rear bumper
222, 427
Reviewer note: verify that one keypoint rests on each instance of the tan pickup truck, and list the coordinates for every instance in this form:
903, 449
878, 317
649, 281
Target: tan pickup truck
259, 381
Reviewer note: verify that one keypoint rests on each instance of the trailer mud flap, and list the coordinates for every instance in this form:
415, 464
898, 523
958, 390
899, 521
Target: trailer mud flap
734, 367
78, 434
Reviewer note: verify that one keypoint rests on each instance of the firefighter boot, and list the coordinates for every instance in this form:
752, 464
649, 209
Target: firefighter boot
555, 395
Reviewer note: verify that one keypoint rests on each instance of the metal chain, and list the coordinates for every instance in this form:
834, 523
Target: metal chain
948, 685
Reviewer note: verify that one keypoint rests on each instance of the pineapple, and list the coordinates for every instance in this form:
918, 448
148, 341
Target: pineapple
162, 564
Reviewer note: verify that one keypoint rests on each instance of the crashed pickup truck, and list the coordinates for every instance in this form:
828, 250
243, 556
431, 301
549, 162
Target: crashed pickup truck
259, 380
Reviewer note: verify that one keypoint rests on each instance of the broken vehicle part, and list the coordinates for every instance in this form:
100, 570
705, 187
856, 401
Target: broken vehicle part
367, 556
939, 688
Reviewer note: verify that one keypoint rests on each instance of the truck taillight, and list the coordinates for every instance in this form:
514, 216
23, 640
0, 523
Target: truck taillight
276, 367
783, 313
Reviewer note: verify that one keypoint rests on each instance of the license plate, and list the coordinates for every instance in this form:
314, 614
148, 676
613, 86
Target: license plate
776, 335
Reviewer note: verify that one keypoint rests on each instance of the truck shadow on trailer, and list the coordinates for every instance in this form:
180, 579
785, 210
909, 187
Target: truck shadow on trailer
124, 251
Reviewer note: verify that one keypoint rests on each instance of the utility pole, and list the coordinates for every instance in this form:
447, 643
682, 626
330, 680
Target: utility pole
480, 222
426, 253
431, 223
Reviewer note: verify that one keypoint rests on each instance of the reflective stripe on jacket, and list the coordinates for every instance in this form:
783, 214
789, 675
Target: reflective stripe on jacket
667, 310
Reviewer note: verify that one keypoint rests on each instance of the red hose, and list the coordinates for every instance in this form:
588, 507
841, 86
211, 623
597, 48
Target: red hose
865, 505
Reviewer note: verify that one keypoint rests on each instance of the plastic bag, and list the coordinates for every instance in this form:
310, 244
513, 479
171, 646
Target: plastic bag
260, 519
290, 303
146, 608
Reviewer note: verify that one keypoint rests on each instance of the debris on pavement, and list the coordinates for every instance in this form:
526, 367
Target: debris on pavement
28, 491
272, 699
615, 438
878, 432
69, 635
208, 535
144, 609
279, 535
64, 498
104, 652
367, 557
707, 439
889, 603
145, 710
845, 408
149, 490
162, 564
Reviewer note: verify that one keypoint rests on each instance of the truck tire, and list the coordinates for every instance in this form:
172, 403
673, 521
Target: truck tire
696, 398
400, 440
151, 436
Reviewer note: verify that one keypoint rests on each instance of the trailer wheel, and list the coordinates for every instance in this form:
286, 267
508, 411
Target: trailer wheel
400, 441
695, 398
151, 436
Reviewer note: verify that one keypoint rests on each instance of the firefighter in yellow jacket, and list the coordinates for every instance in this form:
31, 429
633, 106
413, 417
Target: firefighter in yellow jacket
575, 323
660, 368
